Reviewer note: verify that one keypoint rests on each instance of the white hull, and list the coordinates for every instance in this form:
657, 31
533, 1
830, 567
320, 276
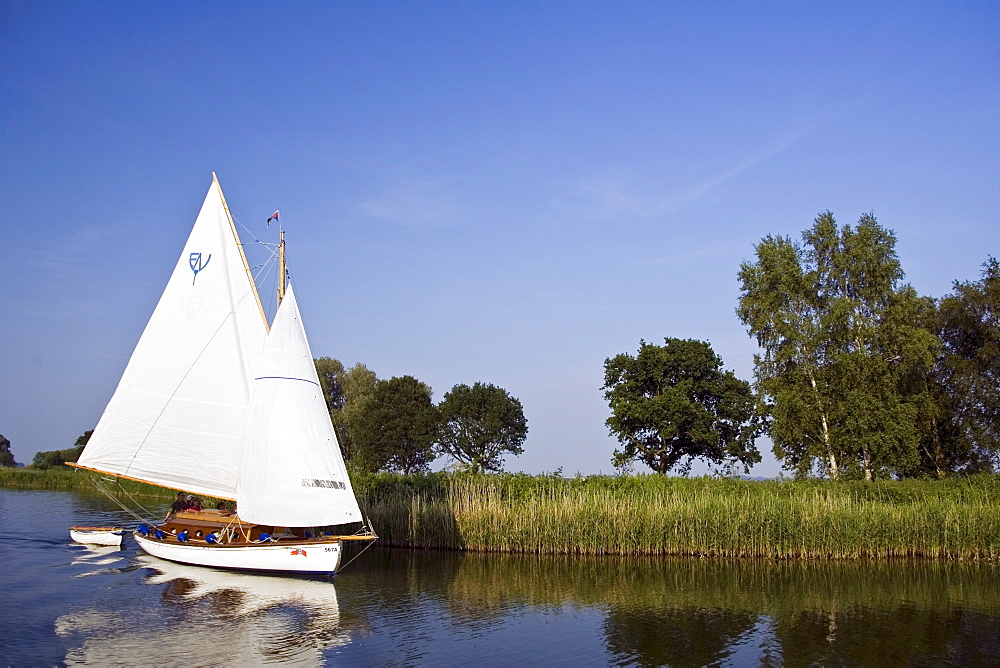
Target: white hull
319, 557
111, 537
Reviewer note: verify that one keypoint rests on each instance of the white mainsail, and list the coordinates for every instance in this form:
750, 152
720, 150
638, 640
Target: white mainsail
177, 415
292, 472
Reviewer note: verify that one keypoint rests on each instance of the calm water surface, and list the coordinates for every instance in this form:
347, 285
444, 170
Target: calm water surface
70, 604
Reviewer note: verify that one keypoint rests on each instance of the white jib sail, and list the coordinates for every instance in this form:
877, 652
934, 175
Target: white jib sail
177, 416
292, 473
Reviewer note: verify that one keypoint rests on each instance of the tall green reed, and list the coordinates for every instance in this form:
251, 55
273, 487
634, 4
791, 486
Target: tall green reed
955, 519
74, 480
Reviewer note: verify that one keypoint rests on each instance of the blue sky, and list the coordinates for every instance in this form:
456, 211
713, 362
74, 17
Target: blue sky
504, 192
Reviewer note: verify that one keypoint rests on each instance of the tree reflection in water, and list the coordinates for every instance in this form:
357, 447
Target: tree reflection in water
682, 636
688, 611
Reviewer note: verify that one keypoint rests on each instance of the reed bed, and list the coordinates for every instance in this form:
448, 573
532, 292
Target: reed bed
65, 479
956, 519
655, 515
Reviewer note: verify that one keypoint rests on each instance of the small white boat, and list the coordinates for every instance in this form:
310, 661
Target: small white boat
97, 535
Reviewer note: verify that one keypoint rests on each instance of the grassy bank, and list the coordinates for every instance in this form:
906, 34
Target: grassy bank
65, 479
953, 519
656, 515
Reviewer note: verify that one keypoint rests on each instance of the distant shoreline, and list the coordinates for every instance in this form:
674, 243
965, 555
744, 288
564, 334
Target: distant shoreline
955, 519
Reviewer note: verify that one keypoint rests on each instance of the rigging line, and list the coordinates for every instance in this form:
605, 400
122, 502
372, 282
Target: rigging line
104, 490
252, 236
262, 276
248, 231
118, 482
265, 264
355, 556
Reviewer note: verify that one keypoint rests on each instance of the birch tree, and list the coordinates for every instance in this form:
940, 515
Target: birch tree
840, 346
347, 392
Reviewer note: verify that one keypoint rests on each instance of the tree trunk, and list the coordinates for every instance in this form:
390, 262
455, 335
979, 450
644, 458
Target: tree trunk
936, 455
832, 471
867, 462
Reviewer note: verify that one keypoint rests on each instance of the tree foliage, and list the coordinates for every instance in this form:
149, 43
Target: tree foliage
844, 356
331, 375
397, 428
673, 404
6, 456
55, 458
480, 424
346, 391
968, 373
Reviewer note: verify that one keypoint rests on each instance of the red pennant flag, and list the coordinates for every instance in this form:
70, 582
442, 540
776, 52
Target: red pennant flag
274, 216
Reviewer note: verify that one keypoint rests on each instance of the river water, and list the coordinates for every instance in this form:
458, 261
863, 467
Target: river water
65, 603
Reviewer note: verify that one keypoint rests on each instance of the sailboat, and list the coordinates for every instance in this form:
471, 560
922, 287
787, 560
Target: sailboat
216, 402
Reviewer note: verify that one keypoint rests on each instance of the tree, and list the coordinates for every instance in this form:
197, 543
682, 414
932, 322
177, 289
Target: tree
672, 404
331, 374
969, 370
479, 424
346, 393
6, 456
841, 344
53, 458
397, 429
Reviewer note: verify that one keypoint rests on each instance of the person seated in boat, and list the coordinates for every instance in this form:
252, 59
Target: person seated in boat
178, 505
194, 503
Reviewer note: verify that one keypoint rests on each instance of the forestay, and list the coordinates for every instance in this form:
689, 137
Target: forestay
292, 473
176, 417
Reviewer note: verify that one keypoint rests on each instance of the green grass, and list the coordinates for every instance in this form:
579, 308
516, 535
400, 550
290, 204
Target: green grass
655, 515
955, 519
72, 480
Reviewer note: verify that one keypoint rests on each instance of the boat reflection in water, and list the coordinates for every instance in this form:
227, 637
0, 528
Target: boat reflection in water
218, 618
105, 559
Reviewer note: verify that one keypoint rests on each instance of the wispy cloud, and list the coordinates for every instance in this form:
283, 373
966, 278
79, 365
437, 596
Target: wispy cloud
705, 188
417, 203
649, 192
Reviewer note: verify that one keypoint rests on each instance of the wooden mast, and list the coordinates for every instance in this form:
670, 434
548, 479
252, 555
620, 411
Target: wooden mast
281, 267
239, 244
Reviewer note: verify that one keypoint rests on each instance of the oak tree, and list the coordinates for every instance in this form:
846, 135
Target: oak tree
673, 404
6, 456
397, 428
480, 424
969, 372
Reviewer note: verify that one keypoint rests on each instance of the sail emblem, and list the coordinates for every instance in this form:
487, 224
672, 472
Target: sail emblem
197, 265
